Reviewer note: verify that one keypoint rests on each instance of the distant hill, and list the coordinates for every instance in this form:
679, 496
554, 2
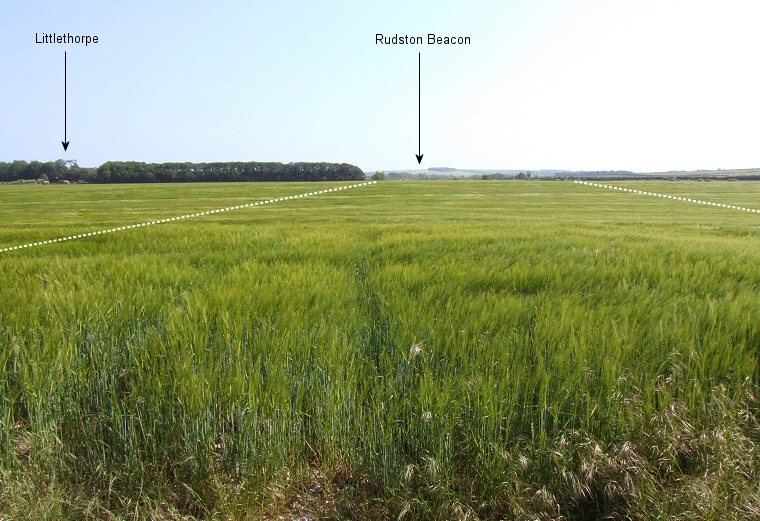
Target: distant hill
457, 173
719, 173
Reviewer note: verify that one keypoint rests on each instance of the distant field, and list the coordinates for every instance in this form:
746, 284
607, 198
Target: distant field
415, 350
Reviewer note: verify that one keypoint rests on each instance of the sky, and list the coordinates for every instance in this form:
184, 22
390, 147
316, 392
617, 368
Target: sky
572, 84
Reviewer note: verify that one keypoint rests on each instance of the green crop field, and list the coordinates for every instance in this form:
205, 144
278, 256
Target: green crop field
407, 350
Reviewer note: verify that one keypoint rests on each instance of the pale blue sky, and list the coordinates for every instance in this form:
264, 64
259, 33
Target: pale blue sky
634, 85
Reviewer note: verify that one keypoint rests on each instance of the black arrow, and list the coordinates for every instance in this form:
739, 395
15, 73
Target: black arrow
65, 142
419, 105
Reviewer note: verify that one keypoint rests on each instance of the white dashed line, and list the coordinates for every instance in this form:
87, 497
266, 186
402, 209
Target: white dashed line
148, 223
685, 199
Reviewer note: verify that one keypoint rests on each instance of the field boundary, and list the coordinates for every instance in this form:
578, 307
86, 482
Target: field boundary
665, 196
181, 217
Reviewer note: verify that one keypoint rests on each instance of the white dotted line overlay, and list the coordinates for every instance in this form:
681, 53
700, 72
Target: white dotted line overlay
188, 216
686, 199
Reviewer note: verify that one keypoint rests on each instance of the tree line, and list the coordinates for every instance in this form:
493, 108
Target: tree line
136, 172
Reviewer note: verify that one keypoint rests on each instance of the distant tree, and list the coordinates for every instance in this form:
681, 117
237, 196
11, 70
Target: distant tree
61, 169
485, 177
378, 176
521, 175
34, 170
48, 169
136, 172
18, 170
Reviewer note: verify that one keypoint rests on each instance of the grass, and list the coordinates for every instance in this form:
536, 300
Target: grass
409, 350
